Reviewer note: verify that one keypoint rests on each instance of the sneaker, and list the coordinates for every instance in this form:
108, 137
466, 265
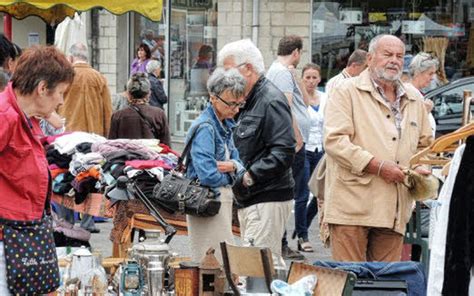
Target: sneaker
94, 230
288, 254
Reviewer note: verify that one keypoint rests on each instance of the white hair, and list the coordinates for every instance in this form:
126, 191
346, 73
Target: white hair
79, 51
422, 62
242, 51
152, 66
374, 42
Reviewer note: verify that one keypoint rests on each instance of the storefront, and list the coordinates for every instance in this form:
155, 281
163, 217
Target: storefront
192, 54
442, 28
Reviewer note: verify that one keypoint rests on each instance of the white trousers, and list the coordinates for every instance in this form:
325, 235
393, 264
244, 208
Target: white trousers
263, 225
206, 232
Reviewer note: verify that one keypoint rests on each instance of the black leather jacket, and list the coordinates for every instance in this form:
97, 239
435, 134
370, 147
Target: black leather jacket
266, 143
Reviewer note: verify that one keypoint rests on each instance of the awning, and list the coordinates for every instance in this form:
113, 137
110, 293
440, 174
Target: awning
54, 11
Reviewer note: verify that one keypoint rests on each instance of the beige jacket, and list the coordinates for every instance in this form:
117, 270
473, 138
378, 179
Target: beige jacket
359, 126
87, 105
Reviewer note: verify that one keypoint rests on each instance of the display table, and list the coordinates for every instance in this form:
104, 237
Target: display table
95, 204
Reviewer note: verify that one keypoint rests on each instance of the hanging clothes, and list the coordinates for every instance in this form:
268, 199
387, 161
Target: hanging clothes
440, 225
459, 257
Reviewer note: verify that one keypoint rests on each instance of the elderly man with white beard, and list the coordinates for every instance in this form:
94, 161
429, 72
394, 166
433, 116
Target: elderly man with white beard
374, 125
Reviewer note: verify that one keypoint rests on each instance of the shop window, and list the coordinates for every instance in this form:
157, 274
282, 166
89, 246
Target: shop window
439, 27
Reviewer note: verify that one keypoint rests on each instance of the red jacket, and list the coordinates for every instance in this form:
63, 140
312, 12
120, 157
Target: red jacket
23, 164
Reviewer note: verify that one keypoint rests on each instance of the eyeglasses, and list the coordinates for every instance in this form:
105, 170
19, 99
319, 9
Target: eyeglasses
240, 65
230, 104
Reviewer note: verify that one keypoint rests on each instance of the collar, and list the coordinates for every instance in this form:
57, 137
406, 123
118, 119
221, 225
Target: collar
249, 100
364, 83
224, 127
345, 74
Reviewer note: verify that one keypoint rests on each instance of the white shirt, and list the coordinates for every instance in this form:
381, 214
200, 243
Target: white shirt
315, 139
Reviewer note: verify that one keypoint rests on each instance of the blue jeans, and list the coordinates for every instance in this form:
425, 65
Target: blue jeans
305, 213
87, 221
411, 272
298, 176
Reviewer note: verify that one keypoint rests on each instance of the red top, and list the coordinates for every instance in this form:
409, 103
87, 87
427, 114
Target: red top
23, 165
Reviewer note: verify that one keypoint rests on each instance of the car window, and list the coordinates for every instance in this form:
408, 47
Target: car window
447, 109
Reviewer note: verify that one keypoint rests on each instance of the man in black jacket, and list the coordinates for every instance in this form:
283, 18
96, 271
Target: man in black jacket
266, 144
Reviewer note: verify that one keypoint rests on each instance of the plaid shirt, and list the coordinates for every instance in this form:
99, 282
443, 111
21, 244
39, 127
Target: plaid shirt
395, 105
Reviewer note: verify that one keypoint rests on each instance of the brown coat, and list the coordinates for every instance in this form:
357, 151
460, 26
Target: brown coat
87, 104
127, 124
359, 126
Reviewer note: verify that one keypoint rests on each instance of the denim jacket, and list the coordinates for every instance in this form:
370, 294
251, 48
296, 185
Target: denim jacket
208, 147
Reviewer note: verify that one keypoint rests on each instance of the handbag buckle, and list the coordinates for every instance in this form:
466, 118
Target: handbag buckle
181, 204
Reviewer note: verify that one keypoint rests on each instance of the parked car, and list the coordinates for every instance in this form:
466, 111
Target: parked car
448, 104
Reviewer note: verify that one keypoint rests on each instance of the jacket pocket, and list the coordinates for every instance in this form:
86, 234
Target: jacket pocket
413, 136
248, 127
349, 178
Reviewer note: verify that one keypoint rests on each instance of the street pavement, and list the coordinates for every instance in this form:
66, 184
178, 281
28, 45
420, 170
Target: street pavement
180, 243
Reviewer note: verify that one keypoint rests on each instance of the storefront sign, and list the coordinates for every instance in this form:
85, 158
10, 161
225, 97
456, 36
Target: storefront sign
33, 39
377, 17
350, 16
413, 27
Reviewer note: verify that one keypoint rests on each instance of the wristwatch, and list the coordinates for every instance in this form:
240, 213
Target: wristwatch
247, 180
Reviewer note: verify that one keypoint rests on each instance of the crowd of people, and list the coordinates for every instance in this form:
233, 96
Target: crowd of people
256, 144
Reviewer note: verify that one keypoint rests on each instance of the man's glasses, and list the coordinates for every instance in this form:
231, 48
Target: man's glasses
230, 104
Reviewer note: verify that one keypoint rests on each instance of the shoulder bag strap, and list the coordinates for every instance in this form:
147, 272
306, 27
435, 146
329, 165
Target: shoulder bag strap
147, 122
187, 148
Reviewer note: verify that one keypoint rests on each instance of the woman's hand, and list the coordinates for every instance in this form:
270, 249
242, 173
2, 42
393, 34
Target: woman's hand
55, 120
225, 166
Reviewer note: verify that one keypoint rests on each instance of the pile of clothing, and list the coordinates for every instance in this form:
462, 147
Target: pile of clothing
81, 163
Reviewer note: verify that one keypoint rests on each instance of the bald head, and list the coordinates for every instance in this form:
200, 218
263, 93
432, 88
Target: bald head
385, 57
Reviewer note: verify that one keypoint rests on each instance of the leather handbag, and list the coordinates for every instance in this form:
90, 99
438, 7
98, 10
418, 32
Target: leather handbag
177, 193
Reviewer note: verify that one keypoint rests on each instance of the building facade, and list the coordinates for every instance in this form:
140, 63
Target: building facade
330, 31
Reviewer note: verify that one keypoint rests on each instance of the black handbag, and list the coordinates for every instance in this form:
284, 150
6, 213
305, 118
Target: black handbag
176, 193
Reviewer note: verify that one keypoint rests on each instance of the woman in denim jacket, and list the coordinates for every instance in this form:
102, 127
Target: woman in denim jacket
214, 160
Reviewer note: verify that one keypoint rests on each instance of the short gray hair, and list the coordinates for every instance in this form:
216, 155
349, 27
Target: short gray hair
138, 86
152, 66
223, 80
422, 62
79, 51
242, 51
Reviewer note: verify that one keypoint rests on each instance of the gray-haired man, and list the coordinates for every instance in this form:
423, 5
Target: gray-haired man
266, 144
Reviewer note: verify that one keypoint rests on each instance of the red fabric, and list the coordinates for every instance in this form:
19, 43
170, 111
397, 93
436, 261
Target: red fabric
23, 165
147, 164
167, 149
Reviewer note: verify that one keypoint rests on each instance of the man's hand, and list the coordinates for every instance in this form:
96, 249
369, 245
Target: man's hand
387, 170
55, 120
423, 171
225, 166
391, 173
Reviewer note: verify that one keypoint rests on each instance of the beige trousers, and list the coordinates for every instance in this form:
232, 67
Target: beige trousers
359, 243
206, 232
263, 225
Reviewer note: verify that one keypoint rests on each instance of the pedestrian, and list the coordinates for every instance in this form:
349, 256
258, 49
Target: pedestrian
311, 75
282, 74
214, 160
87, 107
140, 120
355, 65
373, 126
142, 59
422, 70
266, 143
158, 97
37, 87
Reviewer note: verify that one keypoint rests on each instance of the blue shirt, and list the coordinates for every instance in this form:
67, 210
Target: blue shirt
209, 146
